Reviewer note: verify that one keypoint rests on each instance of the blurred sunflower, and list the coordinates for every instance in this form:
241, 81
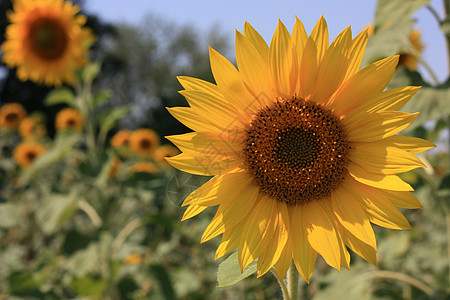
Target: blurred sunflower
27, 152
69, 118
11, 115
144, 142
144, 167
164, 151
302, 147
31, 128
115, 167
120, 140
410, 60
46, 41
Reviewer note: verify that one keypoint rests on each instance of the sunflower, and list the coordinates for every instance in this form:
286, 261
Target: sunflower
144, 142
11, 115
46, 41
164, 151
27, 152
302, 148
410, 60
69, 118
31, 127
121, 139
144, 167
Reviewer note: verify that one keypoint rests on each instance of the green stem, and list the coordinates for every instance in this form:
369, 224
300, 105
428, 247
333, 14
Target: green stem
293, 282
405, 278
283, 286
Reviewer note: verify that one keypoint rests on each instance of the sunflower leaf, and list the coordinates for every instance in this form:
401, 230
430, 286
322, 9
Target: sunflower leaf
229, 272
390, 11
61, 95
110, 117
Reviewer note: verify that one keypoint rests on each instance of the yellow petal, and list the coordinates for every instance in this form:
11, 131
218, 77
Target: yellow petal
393, 99
356, 53
380, 125
321, 233
402, 199
230, 241
285, 260
215, 227
195, 84
230, 85
303, 254
192, 211
308, 69
362, 249
280, 60
352, 217
376, 158
256, 39
364, 85
411, 144
189, 118
320, 35
273, 248
381, 181
252, 67
203, 165
259, 226
378, 208
332, 69
206, 143
299, 38
215, 110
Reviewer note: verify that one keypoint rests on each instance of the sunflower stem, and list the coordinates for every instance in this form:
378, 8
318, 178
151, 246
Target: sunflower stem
283, 285
293, 282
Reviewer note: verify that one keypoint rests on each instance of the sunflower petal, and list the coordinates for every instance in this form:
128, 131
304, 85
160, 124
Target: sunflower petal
356, 53
192, 211
381, 181
230, 241
215, 227
256, 39
320, 35
195, 84
411, 144
188, 117
367, 252
403, 199
308, 69
203, 165
280, 61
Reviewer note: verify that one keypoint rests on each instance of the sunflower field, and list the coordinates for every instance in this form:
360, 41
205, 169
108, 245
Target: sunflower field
149, 161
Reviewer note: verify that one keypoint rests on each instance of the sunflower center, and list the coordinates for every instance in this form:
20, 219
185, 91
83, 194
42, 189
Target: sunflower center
145, 144
12, 117
31, 156
70, 123
296, 151
48, 39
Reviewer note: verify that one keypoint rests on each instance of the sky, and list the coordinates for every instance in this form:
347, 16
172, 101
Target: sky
263, 15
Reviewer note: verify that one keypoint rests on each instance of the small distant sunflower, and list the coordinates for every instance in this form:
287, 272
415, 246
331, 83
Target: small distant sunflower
410, 60
27, 152
302, 148
144, 167
144, 142
121, 139
164, 151
31, 128
46, 41
11, 115
133, 259
115, 167
69, 118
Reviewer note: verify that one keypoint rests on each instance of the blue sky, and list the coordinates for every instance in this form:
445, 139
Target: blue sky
263, 16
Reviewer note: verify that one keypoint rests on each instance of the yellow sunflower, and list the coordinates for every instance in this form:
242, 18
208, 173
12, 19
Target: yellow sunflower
410, 60
46, 41
69, 118
120, 139
144, 142
144, 167
164, 151
27, 152
31, 127
302, 148
11, 115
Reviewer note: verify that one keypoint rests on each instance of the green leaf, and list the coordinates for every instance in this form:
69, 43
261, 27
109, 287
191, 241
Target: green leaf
9, 216
101, 97
88, 285
390, 11
110, 117
91, 71
163, 278
229, 272
21, 282
445, 26
61, 95
55, 211
444, 186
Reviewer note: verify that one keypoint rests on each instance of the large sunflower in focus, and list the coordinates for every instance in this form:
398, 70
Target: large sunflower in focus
46, 41
302, 148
